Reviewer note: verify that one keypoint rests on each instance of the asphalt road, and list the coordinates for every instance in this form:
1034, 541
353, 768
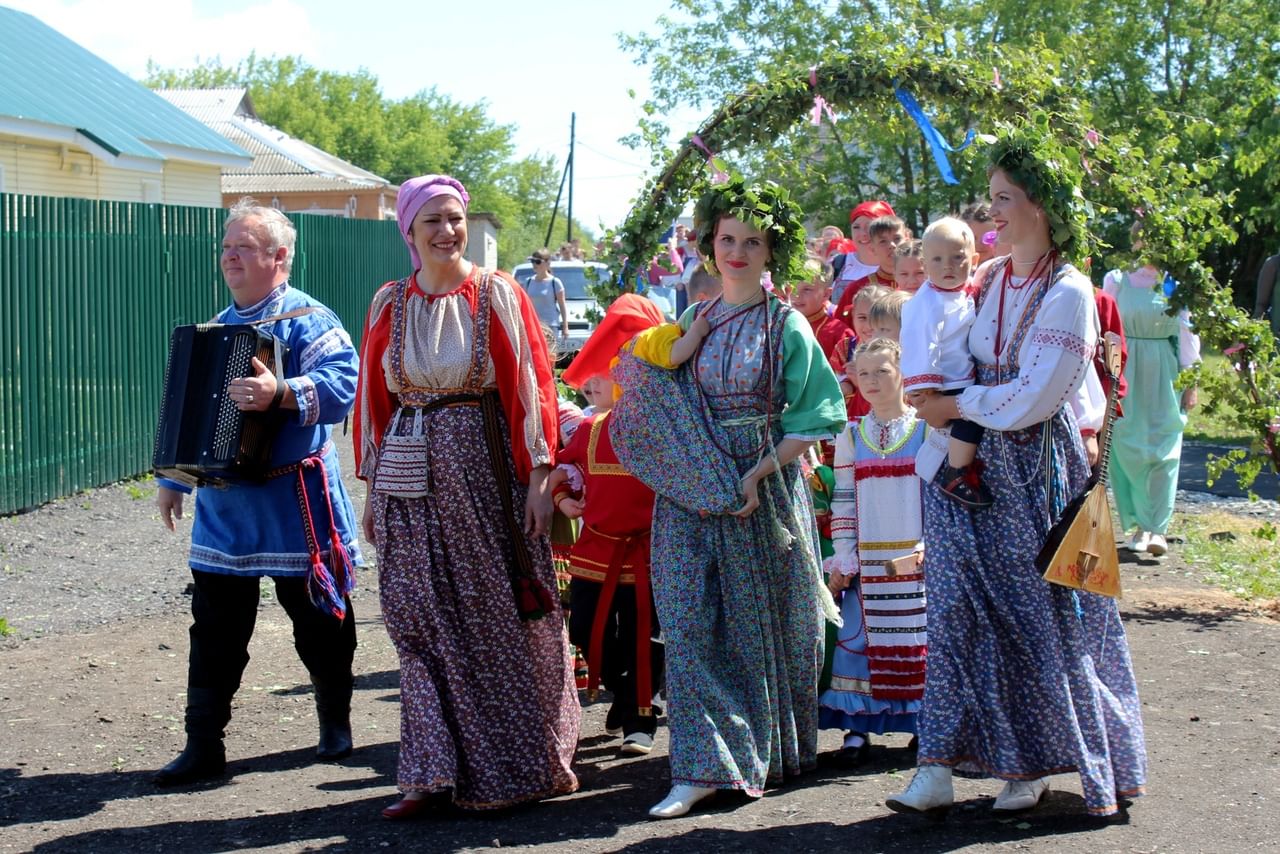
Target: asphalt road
1193, 473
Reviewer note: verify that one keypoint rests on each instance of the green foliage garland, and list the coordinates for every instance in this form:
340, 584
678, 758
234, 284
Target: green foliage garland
767, 207
1122, 179
1031, 155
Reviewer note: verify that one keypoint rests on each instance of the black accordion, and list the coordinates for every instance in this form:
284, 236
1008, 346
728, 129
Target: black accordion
202, 436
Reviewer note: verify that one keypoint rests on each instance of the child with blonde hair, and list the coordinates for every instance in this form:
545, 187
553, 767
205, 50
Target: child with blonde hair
886, 315
842, 360
935, 328
877, 671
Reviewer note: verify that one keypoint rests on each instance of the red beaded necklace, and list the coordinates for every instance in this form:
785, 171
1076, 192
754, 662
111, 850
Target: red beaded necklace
1044, 267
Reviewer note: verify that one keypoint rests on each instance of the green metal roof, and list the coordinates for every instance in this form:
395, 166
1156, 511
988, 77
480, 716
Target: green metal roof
50, 79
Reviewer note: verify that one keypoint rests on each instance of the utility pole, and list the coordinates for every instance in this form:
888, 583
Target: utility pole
573, 121
555, 209
567, 173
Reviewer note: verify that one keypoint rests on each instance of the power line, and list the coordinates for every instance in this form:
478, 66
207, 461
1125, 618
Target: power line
595, 150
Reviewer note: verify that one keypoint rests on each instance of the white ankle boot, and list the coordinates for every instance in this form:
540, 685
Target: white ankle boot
1019, 795
930, 792
680, 801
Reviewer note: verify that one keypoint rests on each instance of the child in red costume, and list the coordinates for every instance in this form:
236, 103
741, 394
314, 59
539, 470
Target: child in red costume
884, 235
812, 298
611, 607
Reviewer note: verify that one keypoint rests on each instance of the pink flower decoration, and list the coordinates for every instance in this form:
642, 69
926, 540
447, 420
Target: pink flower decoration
1233, 349
991, 238
820, 104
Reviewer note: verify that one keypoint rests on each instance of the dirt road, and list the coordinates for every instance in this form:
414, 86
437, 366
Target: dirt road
91, 695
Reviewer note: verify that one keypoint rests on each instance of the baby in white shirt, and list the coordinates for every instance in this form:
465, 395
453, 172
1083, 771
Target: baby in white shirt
935, 348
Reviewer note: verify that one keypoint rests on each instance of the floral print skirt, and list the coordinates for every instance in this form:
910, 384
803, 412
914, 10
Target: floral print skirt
488, 706
1025, 678
739, 612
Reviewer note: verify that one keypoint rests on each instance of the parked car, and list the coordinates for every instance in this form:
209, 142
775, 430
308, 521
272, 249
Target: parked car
581, 305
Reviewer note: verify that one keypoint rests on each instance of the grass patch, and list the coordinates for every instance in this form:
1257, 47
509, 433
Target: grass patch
1222, 426
1237, 553
5, 628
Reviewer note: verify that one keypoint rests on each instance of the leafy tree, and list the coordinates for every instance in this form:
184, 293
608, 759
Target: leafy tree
1157, 70
1180, 218
347, 115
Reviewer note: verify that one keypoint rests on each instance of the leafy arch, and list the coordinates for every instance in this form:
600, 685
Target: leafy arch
1123, 180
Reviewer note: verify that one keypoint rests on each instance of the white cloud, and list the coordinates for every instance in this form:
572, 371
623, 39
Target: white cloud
127, 33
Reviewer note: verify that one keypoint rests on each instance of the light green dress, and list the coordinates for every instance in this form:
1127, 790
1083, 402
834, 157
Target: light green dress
1147, 442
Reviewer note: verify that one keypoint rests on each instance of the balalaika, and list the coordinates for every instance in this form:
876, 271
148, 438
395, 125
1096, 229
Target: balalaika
202, 436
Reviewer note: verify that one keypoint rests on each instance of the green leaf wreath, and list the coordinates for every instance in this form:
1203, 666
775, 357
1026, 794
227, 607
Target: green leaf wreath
766, 206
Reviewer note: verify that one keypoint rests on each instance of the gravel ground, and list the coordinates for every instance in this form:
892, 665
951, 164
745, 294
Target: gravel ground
103, 556
91, 693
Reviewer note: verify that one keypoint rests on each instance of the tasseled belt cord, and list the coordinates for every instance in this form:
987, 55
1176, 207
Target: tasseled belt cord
327, 586
644, 627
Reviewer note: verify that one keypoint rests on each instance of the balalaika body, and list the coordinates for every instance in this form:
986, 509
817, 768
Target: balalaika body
202, 436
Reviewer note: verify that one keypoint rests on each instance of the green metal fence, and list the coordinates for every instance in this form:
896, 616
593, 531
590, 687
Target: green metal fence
89, 292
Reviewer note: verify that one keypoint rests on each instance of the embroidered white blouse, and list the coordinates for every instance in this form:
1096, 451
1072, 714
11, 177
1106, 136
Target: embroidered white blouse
1055, 359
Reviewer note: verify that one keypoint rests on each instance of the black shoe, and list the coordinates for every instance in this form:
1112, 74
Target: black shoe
965, 486
852, 757
201, 760
613, 720
335, 739
617, 718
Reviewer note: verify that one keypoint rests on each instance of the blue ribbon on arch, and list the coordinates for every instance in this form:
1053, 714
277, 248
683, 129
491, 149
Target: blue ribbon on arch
937, 144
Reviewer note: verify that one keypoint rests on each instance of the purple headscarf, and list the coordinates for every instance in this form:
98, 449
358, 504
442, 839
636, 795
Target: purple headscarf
415, 193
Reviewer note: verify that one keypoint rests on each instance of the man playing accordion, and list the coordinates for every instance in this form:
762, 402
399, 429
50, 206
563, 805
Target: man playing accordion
295, 525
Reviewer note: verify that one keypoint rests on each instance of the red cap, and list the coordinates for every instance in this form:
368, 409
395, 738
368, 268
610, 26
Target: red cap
871, 210
629, 315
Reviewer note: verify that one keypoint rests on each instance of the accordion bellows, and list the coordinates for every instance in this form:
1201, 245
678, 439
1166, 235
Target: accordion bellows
201, 436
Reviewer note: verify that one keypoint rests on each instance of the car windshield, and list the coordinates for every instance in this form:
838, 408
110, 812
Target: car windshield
574, 279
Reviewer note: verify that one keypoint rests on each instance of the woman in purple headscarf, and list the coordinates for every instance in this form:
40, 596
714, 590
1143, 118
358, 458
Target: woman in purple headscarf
455, 434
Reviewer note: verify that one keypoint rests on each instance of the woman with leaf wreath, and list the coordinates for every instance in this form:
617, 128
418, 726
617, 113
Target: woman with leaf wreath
1025, 679
455, 435
737, 580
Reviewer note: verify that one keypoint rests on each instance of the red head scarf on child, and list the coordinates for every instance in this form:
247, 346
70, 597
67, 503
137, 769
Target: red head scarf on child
871, 210
627, 317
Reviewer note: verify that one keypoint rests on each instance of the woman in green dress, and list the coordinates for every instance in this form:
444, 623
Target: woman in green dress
737, 580
1147, 441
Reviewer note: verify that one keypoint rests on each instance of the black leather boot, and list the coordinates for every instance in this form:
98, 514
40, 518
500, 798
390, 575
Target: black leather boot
201, 759
333, 710
208, 711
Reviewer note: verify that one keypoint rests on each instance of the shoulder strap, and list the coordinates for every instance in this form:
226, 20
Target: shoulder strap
480, 324
398, 331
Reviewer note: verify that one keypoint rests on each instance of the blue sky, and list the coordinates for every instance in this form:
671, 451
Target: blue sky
541, 62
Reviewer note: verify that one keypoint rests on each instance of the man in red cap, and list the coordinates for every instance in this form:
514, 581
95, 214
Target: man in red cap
859, 263
611, 614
